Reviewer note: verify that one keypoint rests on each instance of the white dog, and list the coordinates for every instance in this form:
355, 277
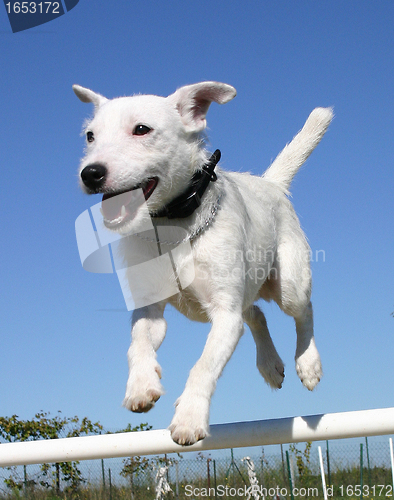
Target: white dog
245, 237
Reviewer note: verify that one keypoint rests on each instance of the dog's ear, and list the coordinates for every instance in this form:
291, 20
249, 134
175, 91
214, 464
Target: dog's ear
87, 95
193, 101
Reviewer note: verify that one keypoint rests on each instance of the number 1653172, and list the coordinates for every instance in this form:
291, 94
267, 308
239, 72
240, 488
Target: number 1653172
33, 7
365, 490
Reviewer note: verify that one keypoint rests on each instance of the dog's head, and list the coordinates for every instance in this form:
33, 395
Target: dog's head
145, 142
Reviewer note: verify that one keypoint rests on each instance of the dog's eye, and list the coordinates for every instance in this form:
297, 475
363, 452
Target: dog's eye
141, 130
89, 136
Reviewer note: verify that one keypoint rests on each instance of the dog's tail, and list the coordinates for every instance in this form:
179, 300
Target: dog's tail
288, 161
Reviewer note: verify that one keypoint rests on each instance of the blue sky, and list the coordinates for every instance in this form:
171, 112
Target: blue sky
61, 347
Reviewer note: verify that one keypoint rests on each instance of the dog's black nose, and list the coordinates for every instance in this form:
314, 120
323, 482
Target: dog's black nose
93, 176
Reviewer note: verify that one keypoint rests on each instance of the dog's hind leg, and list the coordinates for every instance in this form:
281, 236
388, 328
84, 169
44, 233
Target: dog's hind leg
308, 364
148, 331
293, 291
268, 361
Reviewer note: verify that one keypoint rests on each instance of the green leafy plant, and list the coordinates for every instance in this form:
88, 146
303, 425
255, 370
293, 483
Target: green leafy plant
303, 461
43, 426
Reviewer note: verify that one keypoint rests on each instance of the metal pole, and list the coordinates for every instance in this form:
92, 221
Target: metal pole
369, 465
392, 459
110, 484
328, 463
103, 472
283, 464
214, 475
361, 466
57, 466
167, 472
289, 473
232, 465
222, 436
323, 478
25, 480
177, 479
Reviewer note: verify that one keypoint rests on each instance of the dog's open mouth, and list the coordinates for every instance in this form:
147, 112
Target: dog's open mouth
118, 208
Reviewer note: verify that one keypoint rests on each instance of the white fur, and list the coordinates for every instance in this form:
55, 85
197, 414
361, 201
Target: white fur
254, 247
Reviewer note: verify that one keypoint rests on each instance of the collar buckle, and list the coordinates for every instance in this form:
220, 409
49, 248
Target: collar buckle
185, 204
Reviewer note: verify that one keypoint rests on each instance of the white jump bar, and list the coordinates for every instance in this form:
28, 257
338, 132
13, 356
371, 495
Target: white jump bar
234, 435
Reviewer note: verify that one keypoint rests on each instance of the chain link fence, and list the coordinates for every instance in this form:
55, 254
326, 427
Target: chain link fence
353, 469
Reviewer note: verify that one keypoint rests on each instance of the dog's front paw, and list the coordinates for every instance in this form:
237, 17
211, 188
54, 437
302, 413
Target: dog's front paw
309, 368
190, 422
185, 435
143, 402
143, 389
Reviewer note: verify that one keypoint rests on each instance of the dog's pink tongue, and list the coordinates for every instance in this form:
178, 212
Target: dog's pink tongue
112, 204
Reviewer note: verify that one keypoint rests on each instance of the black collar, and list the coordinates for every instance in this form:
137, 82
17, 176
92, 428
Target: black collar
186, 203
